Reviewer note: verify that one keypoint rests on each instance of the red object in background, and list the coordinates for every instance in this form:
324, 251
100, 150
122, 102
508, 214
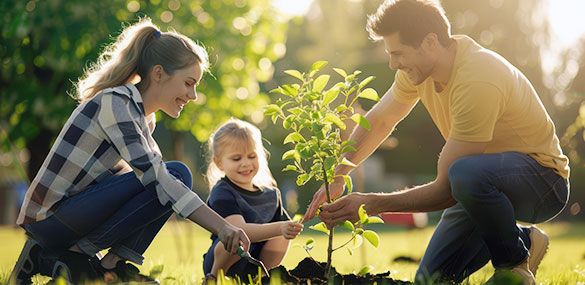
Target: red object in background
411, 220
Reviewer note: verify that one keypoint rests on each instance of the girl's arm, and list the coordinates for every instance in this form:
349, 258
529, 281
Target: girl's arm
262, 232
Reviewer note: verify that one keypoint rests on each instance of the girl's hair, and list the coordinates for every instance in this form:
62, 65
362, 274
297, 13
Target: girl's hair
137, 49
238, 132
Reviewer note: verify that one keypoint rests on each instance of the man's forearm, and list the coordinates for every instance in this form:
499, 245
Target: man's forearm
424, 198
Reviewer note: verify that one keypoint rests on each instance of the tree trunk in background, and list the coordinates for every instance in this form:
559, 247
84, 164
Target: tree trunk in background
178, 143
38, 148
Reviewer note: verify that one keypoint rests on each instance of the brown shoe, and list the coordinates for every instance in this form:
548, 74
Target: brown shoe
538, 248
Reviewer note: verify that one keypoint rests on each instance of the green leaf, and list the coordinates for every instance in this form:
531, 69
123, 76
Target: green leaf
290, 168
329, 162
332, 118
296, 110
272, 109
297, 218
156, 270
318, 65
366, 81
303, 178
358, 240
309, 244
291, 154
293, 138
372, 237
340, 72
340, 108
320, 83
291, 90
348, 183
331, 95
365, 270
349, 251
362, 121
370, 94
374, 220
320, 227
348, 225
362, 214
294, 73
345, 161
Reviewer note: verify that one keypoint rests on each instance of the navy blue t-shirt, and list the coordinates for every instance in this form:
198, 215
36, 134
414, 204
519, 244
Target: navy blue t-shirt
260, 207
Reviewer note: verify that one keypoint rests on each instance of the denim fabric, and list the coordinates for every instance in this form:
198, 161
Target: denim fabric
117, 213
493, 191
241, 268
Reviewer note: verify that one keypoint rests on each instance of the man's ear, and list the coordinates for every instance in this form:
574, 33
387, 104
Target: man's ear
430, 41
156, 73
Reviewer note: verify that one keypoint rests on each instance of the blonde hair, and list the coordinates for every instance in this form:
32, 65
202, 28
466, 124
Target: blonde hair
239, 131
137, 49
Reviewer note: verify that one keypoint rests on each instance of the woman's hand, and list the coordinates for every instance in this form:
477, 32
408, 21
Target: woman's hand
232, 237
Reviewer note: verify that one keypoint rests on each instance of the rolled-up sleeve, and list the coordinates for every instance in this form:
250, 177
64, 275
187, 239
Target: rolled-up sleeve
120, 120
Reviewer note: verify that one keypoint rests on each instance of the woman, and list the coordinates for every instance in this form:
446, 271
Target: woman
104, 183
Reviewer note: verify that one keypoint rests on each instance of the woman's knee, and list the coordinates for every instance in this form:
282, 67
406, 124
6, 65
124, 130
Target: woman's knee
180, 171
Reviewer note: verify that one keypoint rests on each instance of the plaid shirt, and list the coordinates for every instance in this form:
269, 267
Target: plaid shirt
105, 136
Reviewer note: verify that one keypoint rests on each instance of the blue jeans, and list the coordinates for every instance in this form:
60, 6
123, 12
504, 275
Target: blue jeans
117, 213
241, 268
493, 191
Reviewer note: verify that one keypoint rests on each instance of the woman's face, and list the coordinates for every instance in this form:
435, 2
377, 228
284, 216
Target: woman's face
178, 89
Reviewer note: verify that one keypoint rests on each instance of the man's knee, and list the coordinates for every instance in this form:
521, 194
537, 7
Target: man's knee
181, 172
465, 176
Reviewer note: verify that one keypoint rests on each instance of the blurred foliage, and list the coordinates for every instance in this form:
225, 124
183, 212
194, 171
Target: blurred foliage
45, 45
334, 30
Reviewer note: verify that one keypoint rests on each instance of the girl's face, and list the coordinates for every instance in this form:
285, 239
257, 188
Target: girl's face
178, 89
239, 161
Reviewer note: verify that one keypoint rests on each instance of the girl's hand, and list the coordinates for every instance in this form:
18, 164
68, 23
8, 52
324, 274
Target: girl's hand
290, 229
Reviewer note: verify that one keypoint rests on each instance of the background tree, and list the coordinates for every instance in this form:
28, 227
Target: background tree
45, 45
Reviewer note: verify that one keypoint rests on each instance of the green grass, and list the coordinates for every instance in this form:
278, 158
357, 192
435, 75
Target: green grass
180, 246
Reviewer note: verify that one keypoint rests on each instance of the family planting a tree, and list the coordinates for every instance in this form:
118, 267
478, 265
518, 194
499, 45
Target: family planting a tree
105, 186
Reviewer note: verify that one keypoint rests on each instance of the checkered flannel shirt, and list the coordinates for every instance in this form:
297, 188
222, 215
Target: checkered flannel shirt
105, 136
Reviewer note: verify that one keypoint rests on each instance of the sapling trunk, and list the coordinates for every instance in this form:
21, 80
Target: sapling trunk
330, 245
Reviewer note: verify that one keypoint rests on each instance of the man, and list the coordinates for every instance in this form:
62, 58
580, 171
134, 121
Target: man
501, 161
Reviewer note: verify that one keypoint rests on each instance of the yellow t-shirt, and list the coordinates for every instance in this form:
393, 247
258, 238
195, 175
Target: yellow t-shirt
487, 99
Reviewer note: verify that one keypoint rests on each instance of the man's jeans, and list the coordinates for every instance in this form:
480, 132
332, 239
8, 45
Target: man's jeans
117, 212
492, 191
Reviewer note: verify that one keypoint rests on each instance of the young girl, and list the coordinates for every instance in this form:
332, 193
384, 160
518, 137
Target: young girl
104, 183
245, 194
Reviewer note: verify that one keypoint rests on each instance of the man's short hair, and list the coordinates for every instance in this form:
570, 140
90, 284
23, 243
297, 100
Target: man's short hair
412, 19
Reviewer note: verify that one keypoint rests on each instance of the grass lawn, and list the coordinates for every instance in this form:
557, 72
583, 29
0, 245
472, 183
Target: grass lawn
180, 246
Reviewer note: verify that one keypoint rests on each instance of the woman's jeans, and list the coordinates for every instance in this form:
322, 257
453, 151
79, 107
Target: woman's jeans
492, 191
117, 213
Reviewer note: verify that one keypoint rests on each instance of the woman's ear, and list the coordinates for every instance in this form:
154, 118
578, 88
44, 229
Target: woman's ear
156, 73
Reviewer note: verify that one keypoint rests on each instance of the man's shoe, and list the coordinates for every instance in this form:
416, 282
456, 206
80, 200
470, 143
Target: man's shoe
538, 248
27, 263
518, 275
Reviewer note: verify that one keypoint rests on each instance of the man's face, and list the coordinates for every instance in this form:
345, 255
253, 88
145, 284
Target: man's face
414, 61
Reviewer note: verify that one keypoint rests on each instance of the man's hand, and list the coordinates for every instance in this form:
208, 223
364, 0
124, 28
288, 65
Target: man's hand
343, 209
320, 197
232, 237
